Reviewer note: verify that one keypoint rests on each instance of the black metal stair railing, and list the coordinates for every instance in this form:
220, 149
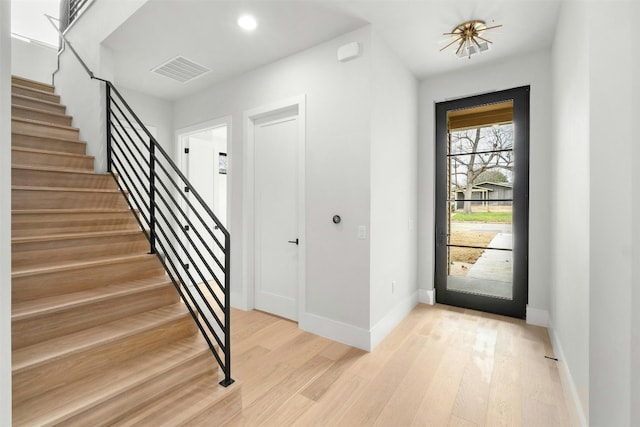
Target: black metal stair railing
189, 240
70, 10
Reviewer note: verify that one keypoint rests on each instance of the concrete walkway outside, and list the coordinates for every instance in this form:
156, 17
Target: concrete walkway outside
492, 273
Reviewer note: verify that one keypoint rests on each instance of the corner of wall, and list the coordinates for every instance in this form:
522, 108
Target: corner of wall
335, 330
578, 409
393, 243
537, 317
393, 318
427, 296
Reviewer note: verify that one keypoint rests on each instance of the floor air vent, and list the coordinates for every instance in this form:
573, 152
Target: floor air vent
181, 69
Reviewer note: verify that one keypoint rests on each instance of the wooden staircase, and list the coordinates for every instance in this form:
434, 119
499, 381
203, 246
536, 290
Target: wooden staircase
99, 334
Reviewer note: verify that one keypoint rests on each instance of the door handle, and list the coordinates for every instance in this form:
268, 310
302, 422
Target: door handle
293, 241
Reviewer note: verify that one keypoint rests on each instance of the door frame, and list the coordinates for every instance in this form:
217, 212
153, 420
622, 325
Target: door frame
517, 306
249, 220
181, 136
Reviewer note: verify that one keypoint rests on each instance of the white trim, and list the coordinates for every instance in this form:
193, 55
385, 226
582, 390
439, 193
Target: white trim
182, 133
239, 301
392, 319
181, 139
537, 317
248, 199
576, 411
427, 296
336, 331
180, 136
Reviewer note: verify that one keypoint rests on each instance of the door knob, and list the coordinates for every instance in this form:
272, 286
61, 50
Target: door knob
293, 241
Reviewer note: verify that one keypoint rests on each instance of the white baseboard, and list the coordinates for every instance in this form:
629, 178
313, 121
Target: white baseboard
355, 336
392, 319
537, 317
576, 411
335, 330
238, 301
427, 296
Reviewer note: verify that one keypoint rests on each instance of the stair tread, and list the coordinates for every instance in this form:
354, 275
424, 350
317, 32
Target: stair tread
78, 264
47, 168
43, 306
55, 348
42, 101
70, 399
32, 88
68, 211
56, 153
67, 189
38, 110
71, 236
195, 397
40, 122
57, 138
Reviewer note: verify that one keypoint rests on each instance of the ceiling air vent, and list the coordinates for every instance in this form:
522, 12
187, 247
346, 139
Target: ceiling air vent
181, 69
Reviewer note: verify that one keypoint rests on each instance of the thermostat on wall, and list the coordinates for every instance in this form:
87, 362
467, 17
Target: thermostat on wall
348, 51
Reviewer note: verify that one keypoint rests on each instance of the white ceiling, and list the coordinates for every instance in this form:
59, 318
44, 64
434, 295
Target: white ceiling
205, 31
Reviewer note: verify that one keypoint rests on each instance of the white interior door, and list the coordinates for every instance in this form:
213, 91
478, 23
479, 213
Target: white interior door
276, 219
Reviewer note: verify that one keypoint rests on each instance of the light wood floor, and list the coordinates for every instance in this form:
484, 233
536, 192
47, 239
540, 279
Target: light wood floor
442, 366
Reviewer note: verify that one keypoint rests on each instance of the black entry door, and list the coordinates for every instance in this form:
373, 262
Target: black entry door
482, 202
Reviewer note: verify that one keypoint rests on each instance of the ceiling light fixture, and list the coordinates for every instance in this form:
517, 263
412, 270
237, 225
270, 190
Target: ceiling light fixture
468, 35
247, 22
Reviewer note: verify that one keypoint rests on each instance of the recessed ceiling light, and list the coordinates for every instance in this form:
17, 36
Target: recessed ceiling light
247, 22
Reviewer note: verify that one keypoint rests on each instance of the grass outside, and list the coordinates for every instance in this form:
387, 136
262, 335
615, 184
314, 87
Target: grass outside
488, 217
469, 238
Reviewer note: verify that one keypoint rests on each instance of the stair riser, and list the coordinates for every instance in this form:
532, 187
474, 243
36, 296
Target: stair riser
60, 199
26, 225
42, 129
119, 407
32, 84
21, 90
48, 284
33, 254
38, 104
48, 326
44, 143
42, 178
44, 116
19, 157
32, 381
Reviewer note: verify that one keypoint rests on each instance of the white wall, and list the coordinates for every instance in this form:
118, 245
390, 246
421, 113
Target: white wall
394, 129
154, 112
594, 310
33, 60
532, 69
570, 202
5, 213
611, 40
85, 98
338, 97
635, 301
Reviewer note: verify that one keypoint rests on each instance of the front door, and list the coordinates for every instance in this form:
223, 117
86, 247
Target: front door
482, 185
276, 220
